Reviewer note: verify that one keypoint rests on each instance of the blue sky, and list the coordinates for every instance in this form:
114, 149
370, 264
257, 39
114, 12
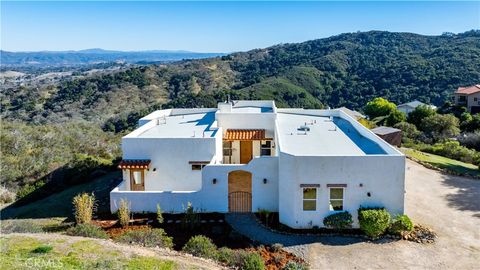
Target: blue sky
216, 26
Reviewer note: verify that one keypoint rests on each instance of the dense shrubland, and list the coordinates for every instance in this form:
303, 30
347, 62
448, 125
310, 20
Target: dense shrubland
70, 153
51, 127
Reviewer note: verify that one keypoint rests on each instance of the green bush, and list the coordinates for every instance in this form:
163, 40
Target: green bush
123, 213
226, 256
87, 230
201, 246
20, 226
159, 214
84, 205
252, 261
395, 117
449, 149
292, 265
146, 238
42, 249
342, 220
401, 224
191, 219
373, 221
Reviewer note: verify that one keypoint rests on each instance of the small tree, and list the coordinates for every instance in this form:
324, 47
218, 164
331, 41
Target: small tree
439, 127
409, 131
379, 107
84, 205
159, 214
191, 218
123, 213
395, 117
416, 116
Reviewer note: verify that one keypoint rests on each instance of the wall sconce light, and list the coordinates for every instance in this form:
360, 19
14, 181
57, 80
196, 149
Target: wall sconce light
264, 180
369, 194
214, 181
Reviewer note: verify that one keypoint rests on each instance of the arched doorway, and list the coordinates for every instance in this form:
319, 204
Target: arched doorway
240, 191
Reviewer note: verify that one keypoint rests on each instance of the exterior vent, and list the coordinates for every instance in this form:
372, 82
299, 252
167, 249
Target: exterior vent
304, 128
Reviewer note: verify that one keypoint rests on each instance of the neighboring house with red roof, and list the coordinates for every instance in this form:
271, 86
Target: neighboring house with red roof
469, 97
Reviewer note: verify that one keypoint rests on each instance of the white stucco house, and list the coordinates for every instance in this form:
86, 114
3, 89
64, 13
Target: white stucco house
248, 155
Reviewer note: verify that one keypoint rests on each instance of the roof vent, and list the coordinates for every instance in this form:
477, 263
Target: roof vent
161, 120
304, 128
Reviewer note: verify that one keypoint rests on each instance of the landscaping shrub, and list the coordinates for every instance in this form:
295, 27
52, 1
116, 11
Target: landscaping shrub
373, 221
252, 261
401, 224
277, 247
292, 265
146, 238
201, 246
342, 220
87, 230
226, 256
84, 206
42, 249
159, 214
20, 226
191, 219
123, 213
265, 214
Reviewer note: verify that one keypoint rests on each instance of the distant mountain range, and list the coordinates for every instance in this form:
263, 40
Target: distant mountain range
94, 56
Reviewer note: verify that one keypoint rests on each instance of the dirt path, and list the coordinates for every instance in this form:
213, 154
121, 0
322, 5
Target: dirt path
183, 261
448, 204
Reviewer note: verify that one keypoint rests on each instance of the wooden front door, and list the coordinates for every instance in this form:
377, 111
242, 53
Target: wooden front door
240, 191
137, 180
245, 151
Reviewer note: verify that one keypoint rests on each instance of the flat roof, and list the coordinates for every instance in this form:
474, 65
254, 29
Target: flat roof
385, 130
196, 125
328, 136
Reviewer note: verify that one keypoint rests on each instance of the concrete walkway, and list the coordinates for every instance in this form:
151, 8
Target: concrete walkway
247, 225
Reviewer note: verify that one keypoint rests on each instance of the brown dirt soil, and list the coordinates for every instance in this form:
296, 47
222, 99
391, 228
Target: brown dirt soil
275, 260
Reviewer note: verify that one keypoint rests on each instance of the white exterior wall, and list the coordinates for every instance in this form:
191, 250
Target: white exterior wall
382, 176
170, 157
247, 121
211, 197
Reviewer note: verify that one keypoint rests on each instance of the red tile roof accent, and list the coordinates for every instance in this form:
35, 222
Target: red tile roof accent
134, 164
244, 134
468, 90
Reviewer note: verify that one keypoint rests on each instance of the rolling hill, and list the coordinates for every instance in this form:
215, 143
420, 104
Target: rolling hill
343, 70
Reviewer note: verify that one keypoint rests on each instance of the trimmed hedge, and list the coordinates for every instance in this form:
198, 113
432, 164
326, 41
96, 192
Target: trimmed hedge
342, 220
401, 224
373, 221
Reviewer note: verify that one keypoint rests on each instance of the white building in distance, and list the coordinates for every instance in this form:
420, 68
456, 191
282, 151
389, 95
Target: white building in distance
248, 155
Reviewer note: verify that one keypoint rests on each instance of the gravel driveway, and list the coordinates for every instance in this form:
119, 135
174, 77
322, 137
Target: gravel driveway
448, 204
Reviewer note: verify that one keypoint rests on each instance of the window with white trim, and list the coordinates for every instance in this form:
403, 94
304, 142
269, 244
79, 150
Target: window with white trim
266, 148
309, 199
336, 198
